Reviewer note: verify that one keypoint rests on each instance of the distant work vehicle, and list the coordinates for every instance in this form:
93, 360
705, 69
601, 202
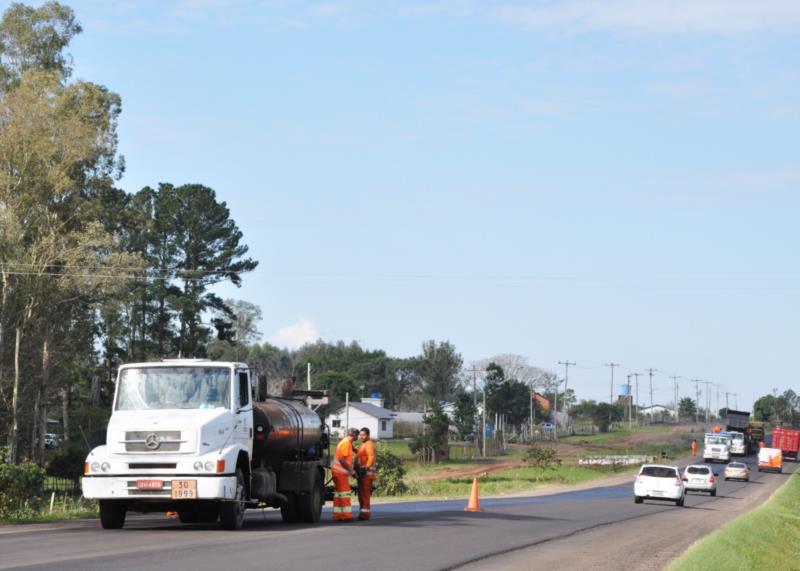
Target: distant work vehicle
659, 482
770, 460
757, 435
738, 421
788, 441
738, 443
717, 447
547, 426
700, 478
737, 471
185, 435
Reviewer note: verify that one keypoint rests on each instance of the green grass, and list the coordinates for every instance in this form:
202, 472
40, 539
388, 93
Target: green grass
514, 480
399, 448
766, 538
69, 508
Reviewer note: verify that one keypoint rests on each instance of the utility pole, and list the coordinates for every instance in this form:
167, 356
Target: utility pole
611, 395
650, 372
566, 382
630, 403
708, 397
637, 375
483, 435
697, 399
717, 386
727, 404
675, 383
736, 399
555, 411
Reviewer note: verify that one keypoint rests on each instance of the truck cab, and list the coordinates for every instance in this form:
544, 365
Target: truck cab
717, 447
181, 438
738, 445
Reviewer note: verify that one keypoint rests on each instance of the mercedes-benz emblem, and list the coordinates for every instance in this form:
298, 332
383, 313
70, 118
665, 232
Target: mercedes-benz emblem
151, 441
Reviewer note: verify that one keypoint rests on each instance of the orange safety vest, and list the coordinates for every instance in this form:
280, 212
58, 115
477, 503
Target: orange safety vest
367, 459
344, 453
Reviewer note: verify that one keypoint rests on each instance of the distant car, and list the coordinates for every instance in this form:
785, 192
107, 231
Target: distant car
737, 471
659, 482
700, 478
547, 426
51, 440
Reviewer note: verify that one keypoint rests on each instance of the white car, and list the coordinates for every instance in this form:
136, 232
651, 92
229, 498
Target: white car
700, 478
737, 471
659, 482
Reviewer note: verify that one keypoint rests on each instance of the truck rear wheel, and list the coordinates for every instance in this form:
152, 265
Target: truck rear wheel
289, 511
310, 505
112, 514
231, 513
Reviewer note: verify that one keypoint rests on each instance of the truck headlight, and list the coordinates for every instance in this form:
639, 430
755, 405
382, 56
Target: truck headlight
95, 466
105, 466
209, 466
198, 466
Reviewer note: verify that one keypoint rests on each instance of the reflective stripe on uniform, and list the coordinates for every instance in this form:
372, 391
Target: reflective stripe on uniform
342, 510
341, 494
364, 511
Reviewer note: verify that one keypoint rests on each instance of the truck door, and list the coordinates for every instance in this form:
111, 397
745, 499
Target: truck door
243, 433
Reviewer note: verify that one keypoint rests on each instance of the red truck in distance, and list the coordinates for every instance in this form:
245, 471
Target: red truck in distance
787, 441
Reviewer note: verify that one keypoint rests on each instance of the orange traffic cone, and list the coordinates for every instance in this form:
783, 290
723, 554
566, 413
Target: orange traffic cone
474, 504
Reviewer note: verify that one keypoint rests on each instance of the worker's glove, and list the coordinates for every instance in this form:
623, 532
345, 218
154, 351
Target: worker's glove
360, 472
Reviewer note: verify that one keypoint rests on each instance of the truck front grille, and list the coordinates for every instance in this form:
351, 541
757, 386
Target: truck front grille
153, 441
151, 466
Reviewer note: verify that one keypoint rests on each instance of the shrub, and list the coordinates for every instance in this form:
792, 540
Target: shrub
68, 463
20, 488
390, 473
541, 458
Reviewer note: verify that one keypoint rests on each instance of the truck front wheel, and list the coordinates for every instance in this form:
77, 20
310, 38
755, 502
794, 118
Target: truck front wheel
112, 514
231, 514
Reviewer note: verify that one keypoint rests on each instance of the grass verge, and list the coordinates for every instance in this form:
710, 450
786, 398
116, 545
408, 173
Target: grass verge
766, 538
510, 481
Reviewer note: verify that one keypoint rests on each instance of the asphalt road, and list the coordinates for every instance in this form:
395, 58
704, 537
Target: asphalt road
403, 537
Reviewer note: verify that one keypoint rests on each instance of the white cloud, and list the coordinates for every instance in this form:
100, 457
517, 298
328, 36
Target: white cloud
296, 335
655, 16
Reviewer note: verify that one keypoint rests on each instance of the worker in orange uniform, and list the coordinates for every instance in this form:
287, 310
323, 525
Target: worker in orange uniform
694, 447
341, 470
367, 470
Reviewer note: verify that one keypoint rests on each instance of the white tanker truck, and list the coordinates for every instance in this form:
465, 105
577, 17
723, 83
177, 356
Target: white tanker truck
186, 435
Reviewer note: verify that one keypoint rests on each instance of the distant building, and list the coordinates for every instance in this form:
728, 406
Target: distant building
369, 412
541, 400
657, 411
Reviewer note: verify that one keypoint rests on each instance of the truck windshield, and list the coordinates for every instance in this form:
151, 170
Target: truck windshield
717, 440
737, 437
159, 388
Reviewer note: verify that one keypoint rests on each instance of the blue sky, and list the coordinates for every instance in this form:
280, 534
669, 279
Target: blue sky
592, 181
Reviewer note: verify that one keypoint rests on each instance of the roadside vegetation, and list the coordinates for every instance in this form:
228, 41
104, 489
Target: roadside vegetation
524, 468
766, 538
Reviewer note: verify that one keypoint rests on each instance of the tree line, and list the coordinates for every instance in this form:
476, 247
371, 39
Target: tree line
90, 275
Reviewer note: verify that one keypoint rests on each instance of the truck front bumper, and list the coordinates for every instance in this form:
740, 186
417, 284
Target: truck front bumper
125, 487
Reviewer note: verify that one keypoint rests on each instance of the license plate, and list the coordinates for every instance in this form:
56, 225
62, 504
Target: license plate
149, 484
184, 489
657, 493
697, 481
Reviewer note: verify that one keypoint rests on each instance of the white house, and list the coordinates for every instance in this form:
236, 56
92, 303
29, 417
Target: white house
369, 412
